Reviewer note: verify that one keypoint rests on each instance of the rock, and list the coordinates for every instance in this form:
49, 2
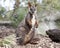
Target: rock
54, 34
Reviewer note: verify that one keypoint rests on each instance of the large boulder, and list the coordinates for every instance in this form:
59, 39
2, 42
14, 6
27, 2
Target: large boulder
54, 34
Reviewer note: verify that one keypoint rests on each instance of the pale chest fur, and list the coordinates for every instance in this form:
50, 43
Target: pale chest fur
33, 21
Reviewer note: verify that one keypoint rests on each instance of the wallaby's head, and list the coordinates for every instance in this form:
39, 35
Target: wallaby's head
32, 8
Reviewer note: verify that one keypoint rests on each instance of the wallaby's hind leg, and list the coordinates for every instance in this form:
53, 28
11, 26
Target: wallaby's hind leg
29, 36
26, 39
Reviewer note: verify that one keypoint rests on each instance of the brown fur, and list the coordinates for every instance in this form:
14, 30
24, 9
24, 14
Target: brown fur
24, 32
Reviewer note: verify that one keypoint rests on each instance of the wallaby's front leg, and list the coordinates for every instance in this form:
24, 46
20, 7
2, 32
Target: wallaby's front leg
29, 21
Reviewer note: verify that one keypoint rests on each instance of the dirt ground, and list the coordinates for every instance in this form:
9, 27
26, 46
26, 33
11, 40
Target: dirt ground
44, 42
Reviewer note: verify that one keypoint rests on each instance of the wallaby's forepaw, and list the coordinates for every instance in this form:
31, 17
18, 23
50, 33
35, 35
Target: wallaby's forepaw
34, 41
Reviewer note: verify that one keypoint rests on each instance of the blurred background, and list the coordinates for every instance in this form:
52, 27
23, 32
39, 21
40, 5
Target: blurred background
12, 12
48, 13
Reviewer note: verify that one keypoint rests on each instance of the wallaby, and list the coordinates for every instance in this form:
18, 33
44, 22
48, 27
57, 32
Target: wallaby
26, 30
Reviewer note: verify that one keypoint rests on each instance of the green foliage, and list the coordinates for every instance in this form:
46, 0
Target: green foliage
6, 42
58, 22
2, 10
7, 15
1, 43
20, 14
9, 40
39, 7
52, 4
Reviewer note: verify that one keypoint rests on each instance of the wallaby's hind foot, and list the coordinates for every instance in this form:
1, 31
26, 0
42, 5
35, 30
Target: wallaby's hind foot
34, 41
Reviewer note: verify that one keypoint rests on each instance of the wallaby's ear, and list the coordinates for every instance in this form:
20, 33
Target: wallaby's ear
29, 4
